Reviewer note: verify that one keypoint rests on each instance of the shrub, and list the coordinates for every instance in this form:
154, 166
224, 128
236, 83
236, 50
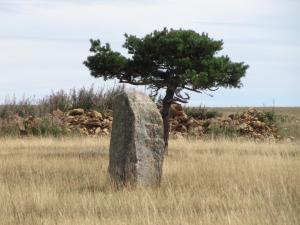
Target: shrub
196, 112
268, 117
212, 114
23, 108
46, 126
107, 102
36, 117
89, 98
201, 113
85, 98
56, 100
9, 129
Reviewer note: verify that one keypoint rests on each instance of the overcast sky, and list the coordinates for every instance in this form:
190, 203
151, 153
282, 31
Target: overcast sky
44, 42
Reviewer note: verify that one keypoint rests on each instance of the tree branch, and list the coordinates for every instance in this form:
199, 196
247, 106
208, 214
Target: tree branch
176, 99
154, 91
135, 82
211, 89
207, 94
190, 89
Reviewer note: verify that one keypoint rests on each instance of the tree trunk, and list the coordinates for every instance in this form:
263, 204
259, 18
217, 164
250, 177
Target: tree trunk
167, 101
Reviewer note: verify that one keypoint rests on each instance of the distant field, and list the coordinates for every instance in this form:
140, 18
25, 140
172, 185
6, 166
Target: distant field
290, 111
63, 181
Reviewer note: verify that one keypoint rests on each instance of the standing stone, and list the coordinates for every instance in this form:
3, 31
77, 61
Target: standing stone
136, 150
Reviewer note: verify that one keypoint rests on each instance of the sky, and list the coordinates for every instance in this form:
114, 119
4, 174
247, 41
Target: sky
44, 42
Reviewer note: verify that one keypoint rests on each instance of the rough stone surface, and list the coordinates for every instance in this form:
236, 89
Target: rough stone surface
136, 146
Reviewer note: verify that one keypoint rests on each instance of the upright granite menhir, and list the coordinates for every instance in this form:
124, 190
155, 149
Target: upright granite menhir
136, 150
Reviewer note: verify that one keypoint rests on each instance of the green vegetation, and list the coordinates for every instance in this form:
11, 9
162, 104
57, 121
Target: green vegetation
87, 98
201, 113
174, 60
287, 119
30, 117
221, 132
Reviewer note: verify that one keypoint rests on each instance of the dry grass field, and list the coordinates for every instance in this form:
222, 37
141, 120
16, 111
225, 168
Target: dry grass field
51, 181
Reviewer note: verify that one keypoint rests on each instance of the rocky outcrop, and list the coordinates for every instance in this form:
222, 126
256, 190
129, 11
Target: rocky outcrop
250, 123
87, 122
136, 148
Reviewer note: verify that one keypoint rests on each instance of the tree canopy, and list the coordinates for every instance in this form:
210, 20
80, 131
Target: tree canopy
168, 59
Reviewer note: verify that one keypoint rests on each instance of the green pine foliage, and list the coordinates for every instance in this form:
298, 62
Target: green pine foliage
178, 59
174, 60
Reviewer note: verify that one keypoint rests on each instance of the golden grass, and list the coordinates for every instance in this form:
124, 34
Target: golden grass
50, 181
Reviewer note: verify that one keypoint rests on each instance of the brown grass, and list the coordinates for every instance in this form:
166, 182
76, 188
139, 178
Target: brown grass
50, 181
